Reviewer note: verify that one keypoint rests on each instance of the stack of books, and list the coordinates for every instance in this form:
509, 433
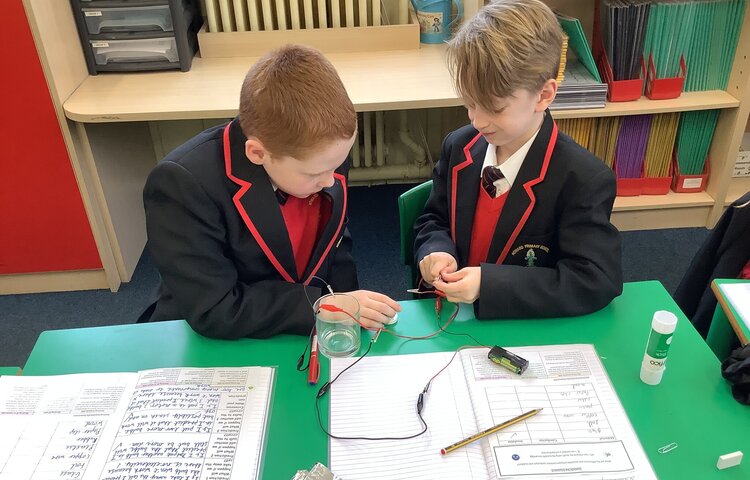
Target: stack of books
563, 59
580, 83
580, 89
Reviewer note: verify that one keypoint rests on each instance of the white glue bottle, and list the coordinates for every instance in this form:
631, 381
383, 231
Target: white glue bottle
659, 340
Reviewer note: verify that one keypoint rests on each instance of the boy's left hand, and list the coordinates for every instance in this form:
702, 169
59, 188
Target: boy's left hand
375, 309
461, 286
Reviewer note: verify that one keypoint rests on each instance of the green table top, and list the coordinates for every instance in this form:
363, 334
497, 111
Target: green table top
739, 326
692, 406
9, 370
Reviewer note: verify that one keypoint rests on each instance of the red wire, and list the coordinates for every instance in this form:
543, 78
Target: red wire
333, 308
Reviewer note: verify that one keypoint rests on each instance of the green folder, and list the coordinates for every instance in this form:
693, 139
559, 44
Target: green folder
577, 41
712, 43
694, 137
668, 36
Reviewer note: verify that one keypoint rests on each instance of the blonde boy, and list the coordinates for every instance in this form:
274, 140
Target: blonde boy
518, 221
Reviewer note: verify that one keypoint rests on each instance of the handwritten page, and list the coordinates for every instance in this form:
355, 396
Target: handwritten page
378, 397
181, 424
582, 428
53, 426
738, 294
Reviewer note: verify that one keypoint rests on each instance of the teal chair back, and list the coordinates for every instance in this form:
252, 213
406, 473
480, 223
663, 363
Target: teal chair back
410, 206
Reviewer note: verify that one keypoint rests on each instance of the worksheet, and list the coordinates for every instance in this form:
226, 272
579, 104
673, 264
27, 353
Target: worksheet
582, 428
738, 295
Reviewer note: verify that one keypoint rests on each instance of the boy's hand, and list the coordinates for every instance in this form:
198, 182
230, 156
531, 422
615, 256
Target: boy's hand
375, 309
461, 286
434, 265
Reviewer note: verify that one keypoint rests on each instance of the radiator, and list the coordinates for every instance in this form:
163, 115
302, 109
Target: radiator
391, 147
401, 146
259, 15
370, 142
396, 146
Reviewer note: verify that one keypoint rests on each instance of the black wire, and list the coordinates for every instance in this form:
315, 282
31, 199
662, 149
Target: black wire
324, 389
420, 398
325, 284
456, 334
453, 316
301, 358
453, 357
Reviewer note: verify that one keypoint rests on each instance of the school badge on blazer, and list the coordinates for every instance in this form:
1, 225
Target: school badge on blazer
530, 255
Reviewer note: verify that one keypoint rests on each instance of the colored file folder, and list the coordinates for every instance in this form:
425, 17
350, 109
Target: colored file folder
624, 23
694, 137
658, 156
713, 43
577, 42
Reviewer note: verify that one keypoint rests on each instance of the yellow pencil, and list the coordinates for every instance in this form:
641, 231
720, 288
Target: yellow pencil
490, 431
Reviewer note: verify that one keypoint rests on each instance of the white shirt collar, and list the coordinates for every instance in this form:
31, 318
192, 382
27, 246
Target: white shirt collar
512, 165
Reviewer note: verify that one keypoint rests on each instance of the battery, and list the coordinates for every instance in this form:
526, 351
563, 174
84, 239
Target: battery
507, 359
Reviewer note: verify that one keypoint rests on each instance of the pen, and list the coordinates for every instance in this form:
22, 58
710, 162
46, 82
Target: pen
490, 431
313, 371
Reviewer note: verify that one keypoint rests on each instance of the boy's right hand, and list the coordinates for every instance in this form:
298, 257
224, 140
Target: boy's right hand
435, 264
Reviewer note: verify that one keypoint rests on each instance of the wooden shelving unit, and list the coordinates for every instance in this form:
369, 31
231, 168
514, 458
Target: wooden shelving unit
737, 187
376, 81
107, 121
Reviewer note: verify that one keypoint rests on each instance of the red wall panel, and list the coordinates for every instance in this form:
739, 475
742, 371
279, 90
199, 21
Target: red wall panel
43, 225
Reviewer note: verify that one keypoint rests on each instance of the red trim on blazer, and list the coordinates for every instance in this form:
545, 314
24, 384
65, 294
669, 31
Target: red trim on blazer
244, 187
527, 186
342, 179
454, 179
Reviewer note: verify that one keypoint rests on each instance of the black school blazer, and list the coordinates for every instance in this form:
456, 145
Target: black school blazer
554, 251
217, 235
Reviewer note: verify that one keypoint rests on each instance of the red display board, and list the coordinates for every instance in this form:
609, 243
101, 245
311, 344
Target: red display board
43, 225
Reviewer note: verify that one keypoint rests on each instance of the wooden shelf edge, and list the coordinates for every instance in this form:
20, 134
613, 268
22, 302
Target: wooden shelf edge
150, 96
671, 200
150, 116
230, 113
700, 101
14, 284
655, 219
688, 101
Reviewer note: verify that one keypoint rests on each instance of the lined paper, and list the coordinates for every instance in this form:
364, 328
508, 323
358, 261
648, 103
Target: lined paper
377, 397
193, 421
